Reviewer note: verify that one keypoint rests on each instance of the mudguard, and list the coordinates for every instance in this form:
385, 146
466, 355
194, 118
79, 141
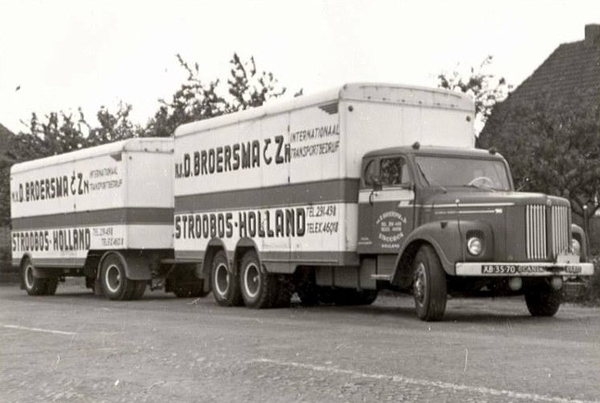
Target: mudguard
203, 268
578, 233
448, 238
137, 267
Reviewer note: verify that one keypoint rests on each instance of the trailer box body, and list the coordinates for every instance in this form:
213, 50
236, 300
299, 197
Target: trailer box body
285, 178
111, 197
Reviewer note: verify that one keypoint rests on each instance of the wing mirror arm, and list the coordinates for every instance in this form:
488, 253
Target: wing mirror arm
376, 183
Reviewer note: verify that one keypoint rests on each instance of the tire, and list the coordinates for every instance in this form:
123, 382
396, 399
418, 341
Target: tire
34, 285
224, 283
187, 285
51, 285
139, 288
429, 285
543, 300
259, 289
115, 284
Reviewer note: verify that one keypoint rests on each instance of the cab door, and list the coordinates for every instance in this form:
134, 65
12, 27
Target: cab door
386, 205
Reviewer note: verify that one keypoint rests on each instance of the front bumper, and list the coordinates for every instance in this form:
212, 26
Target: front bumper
545, 269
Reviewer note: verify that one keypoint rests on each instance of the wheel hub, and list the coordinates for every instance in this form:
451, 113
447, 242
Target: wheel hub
29, 278
221, 279
252, 280
113, 278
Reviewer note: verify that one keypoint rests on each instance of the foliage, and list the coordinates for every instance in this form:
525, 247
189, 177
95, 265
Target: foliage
194, 100
113, 126
552, 148
61, 132
198, 100
485, 88
248, 88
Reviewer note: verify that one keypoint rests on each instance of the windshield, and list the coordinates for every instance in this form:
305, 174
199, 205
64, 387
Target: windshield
460, 171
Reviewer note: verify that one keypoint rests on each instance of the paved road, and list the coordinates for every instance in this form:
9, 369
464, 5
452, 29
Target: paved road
75, 347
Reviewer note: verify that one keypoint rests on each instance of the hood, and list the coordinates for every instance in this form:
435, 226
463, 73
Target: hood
489, 198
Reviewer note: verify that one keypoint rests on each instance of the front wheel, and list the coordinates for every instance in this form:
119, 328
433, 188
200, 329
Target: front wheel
543, 300
35, 285
115, 284
429, 285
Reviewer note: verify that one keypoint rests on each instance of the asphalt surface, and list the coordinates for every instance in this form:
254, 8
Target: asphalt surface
77, 347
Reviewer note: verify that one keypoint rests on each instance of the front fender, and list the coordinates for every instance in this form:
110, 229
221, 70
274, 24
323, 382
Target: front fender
449, 239
578, 233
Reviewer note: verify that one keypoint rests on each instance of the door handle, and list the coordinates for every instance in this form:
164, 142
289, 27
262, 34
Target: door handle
371, 196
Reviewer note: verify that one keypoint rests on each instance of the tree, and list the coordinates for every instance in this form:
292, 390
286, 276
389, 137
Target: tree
486, 89
113, 126
248, 88
61, 132
198, 100
552, 147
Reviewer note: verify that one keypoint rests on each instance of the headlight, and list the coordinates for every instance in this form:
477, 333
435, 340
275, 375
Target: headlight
576, 247
475, 246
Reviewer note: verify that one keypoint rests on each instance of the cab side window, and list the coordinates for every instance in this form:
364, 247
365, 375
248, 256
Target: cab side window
393, 171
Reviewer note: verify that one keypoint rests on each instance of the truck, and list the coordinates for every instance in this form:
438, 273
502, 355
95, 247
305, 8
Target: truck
332, 197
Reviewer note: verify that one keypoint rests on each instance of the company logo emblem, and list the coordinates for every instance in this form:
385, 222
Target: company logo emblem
390, 225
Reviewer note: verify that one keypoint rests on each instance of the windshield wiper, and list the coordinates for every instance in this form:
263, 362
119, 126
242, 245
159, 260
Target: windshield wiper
430, 181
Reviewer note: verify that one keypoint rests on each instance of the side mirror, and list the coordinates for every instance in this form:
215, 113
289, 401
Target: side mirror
376, 182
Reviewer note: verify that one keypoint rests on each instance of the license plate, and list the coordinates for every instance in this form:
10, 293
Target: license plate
511, 269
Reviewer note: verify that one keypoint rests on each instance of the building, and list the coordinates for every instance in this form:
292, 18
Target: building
567, 83
571, 73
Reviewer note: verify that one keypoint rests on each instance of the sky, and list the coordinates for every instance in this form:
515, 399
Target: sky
64, 54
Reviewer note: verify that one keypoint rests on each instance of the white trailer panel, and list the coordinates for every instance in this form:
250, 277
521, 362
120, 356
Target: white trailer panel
112, 197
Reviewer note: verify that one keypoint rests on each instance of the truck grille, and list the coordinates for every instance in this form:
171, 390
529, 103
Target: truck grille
538, 225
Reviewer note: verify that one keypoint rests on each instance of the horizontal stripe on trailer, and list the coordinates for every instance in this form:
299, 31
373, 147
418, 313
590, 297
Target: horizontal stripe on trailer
62, 262
315, 258
326, 191
132, 215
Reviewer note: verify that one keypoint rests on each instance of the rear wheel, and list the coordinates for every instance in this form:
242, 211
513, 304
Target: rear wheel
543, 300
187, 285
225, 287
115, 284
259, 289
36, 285
51, 286
429, 285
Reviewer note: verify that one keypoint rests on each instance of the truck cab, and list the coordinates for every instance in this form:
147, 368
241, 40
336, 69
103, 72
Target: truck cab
441, 220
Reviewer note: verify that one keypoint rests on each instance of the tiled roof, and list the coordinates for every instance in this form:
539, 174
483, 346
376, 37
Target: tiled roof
571, 74
4, 130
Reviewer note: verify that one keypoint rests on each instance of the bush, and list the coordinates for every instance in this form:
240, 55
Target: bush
584, 290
